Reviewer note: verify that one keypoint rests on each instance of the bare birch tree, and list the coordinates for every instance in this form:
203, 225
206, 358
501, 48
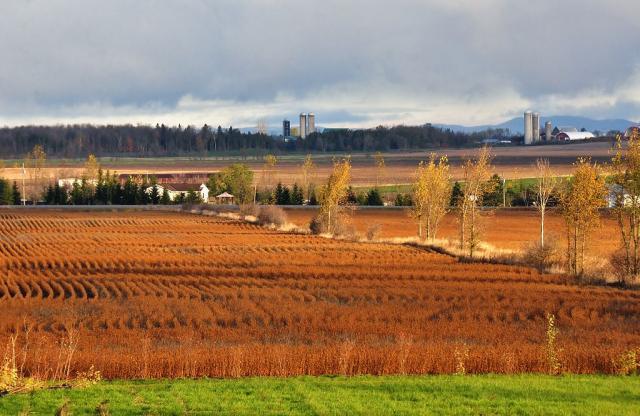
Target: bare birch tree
91, 168
625, 190
546, 185
476, 175
335, 193
262, 126
431, 195
581, 200
35, 162
307, 172
270, 162
380, 167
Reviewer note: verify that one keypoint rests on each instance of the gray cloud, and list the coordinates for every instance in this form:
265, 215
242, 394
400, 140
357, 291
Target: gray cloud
376, 61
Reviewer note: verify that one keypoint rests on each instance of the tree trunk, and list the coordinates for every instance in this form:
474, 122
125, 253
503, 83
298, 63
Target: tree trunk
542, 208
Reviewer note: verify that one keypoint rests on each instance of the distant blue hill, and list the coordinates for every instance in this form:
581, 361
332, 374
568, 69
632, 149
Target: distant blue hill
516, 125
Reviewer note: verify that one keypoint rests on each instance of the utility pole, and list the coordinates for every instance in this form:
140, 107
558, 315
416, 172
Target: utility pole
504, 193
24, 193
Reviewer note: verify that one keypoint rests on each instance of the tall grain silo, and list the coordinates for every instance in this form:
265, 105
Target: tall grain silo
548, 131
311, 123
528, 127
303, 125
536, 127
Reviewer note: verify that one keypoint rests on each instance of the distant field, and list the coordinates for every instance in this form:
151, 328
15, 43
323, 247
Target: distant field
442, 395
509, 162
165, 294
502, 228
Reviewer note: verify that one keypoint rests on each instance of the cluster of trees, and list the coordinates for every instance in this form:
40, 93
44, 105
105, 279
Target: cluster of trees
107, 190
237, 179
9, 193
283, 196
75, 141
580, 199
96, 187
500, 193
626, 191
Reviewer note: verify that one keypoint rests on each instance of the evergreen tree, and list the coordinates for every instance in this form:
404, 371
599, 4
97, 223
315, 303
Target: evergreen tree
282, 195
193, 197
142, 196
102, 189
165, 199
351, 198
297, 197
155, 194
374, 198
59, 195
277, 194
403, 200
456, 194
88, 192
313, 199
6, 197
76, 194
115, 191
49, 196
15, 194
495, 197
129, 192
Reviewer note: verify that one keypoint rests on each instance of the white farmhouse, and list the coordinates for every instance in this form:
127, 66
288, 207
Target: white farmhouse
69, 182
176, 189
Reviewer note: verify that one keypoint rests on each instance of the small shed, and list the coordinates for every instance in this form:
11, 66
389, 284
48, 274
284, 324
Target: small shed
225, 198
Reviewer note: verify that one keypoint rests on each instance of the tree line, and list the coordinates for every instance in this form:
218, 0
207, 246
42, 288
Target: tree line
78, 141
107, 190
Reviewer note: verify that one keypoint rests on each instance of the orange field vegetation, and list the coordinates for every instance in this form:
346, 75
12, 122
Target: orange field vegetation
510, 229
153, 294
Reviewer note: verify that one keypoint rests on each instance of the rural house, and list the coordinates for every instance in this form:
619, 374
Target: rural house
69, 182
175, 190
614, 192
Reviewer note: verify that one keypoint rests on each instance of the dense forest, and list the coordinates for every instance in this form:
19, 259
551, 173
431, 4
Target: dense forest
76, 141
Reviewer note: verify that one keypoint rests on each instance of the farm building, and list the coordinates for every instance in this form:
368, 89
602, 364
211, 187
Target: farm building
193, 178
225, 198
574, 135
175, 190
69, 182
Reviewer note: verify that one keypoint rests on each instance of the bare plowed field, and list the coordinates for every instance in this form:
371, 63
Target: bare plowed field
150, 294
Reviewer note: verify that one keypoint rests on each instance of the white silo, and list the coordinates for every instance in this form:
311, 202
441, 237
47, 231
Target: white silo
528, 127
303, 125
548, 131
536, 127
311, 123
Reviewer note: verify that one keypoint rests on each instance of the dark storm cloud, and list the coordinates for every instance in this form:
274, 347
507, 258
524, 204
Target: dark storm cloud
95, 58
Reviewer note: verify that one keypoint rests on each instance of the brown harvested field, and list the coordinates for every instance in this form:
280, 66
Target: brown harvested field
155, 294
510, 229
511, 162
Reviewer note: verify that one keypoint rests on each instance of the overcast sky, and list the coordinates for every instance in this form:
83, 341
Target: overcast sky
353, 63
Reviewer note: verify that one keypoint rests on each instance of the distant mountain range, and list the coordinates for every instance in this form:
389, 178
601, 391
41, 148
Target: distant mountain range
516, 125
